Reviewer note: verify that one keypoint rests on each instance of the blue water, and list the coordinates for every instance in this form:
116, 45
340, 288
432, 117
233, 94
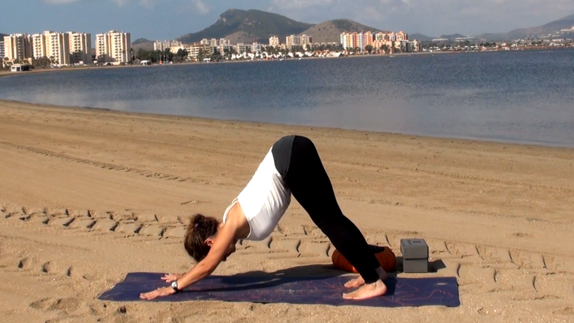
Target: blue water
523, 96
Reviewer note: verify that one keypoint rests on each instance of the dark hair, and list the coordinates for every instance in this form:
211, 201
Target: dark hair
200, 227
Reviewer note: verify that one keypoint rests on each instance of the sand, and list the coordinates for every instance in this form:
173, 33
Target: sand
89, 195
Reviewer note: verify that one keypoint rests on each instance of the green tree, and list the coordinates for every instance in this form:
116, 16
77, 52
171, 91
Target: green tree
41, 62
132, 56
200, 55
369, 48
182, 54
385, 49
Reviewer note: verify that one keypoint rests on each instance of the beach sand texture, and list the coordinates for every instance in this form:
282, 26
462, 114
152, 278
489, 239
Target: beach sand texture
88, 195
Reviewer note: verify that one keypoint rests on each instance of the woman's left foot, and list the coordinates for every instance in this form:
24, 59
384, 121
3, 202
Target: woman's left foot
375, 289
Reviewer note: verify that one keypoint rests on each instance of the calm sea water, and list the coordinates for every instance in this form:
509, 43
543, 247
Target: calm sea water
525, 97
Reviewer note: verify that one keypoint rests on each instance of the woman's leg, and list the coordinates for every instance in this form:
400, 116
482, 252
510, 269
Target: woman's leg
311, 186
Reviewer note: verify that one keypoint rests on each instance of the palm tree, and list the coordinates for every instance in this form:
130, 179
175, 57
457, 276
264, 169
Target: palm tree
132, 56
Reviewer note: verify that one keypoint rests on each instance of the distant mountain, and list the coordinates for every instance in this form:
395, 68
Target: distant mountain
142, 43
420, 37
330, 31
534, 32
549, 28
2, 36
141, 40
249, 26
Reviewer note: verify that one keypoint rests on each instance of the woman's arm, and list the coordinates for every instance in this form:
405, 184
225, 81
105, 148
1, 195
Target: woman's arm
220, 246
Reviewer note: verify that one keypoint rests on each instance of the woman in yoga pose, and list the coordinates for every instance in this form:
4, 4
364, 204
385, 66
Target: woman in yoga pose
292, 166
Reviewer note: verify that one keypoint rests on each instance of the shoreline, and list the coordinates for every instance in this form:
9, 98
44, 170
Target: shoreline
446, 138
89, 195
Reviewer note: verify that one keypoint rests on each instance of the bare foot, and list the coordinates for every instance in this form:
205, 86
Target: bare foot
359, 281
353, 283
375, 289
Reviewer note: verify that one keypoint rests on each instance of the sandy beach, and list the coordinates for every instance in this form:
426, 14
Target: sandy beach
89, 195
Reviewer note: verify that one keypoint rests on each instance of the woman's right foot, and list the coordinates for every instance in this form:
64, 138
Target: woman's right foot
354, 283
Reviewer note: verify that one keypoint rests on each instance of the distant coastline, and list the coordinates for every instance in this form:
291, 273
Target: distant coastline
6, 73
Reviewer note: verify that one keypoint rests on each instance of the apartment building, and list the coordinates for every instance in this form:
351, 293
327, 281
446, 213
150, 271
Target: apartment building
39, 46
274, 41
52, 45
58, 47
306, 40
18, 46
197, 48
2, 49
80, 45
256, 47
163, 45
401, 35
241, 48
114, 47
295, 41
224, 42
219, 45
350, 40
368, 38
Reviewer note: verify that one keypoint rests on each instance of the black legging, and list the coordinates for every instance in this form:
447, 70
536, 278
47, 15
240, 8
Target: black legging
298, 162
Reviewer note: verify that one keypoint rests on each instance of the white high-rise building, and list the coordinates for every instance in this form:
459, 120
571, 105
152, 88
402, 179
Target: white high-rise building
52, 45
39, 46
223, 42
294, 40
163, 45
18, 46
114, 46
274, 41
305, 40
80, 47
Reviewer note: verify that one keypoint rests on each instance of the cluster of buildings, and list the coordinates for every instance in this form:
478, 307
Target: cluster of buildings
354, 41
66, 48
163, 45
394, 41
114, 47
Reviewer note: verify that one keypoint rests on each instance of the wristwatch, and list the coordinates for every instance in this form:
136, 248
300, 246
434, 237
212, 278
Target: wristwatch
174, 286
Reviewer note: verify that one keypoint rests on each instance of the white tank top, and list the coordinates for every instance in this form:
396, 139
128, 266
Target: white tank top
264, 200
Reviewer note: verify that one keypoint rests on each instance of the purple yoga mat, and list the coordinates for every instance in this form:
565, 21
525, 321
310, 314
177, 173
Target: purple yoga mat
293, 290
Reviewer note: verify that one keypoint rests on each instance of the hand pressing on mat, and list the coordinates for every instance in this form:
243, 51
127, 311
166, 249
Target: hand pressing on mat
292, 166
168, 278
162, 291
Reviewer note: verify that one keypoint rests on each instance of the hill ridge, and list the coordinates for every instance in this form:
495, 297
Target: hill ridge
256, 24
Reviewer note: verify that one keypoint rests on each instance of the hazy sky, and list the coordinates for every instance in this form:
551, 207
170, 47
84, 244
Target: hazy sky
169, 19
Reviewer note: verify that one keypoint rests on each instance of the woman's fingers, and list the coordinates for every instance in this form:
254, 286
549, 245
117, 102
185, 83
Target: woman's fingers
150, 295
169, 277
157, 293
